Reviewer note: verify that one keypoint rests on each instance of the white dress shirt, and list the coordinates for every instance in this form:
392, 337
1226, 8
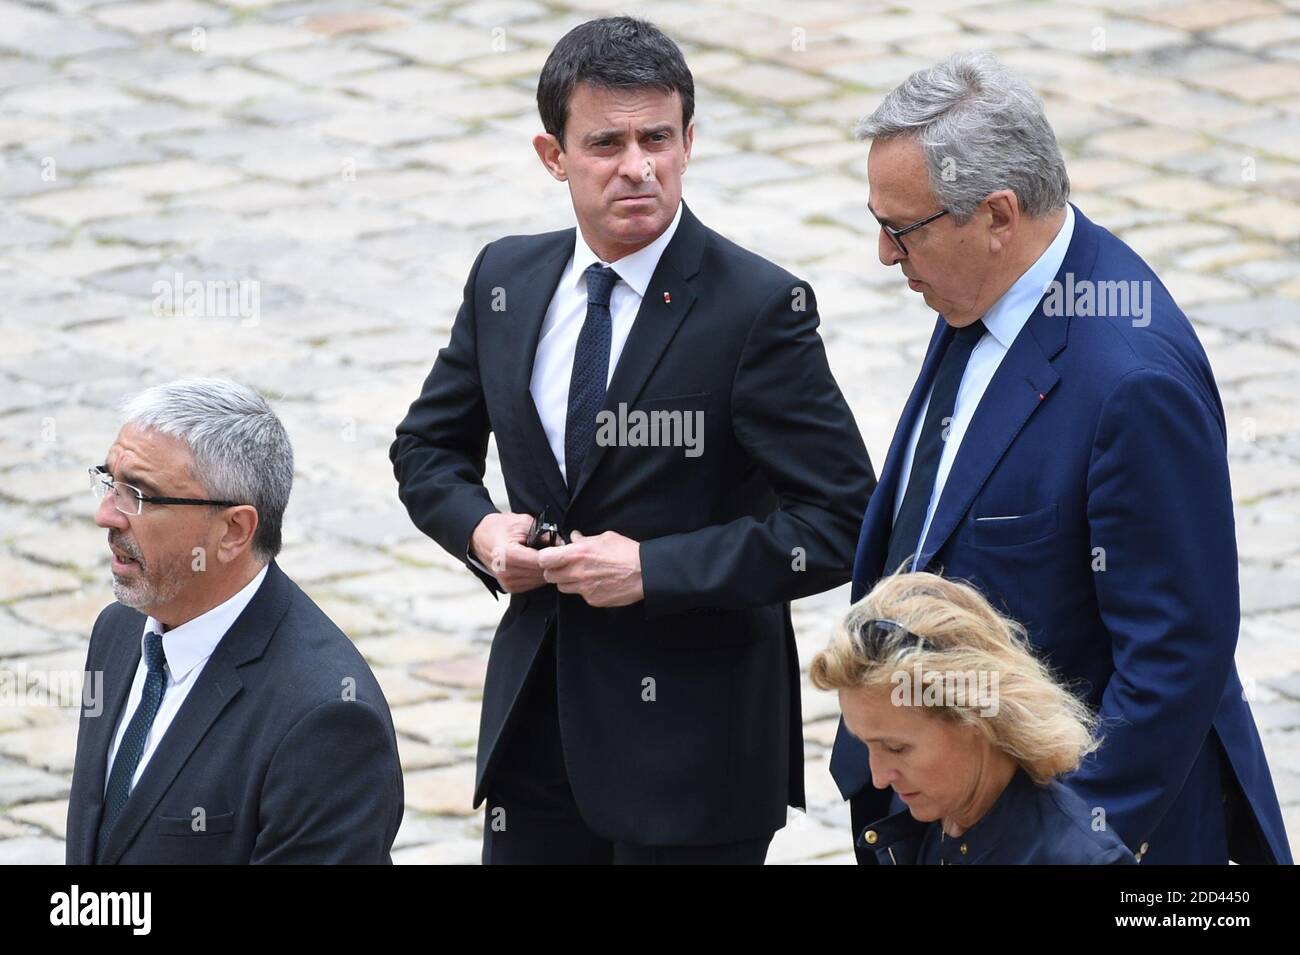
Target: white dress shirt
553, 363
1003, 321
187, 649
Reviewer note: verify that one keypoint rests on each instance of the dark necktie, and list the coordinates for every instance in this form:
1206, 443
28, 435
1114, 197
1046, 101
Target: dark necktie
590, 370
132, 746
904, 540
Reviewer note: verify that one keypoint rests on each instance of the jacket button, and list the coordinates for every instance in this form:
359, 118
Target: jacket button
963, 848
871, 837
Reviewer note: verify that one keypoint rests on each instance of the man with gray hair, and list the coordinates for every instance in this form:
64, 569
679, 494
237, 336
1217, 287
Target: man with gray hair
239, 723
1064, 449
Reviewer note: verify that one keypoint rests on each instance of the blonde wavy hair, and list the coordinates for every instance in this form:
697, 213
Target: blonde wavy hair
1037, 721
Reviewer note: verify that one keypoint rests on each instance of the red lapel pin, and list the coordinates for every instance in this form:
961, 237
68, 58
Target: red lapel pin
668, 298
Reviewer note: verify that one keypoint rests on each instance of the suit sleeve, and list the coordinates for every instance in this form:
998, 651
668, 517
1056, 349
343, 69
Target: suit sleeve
440, 453
331, 794
793, 423
1160, 510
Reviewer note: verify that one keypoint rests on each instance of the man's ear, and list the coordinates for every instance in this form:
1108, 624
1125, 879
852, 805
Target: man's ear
551, 153
238, 527
1003, 217
688, 140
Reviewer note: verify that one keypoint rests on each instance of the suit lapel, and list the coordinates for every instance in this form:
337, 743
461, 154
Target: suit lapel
879, 519
118, 664
655, 325
1020, 387
530, 295
217, 686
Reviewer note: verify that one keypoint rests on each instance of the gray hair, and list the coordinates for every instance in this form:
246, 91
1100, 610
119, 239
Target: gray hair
241, 450
982, 129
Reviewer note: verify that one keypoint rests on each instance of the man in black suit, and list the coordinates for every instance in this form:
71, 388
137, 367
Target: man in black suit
239, 724
662, 396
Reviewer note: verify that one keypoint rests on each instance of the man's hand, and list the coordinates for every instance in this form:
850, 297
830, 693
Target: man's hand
604, 570
498, 544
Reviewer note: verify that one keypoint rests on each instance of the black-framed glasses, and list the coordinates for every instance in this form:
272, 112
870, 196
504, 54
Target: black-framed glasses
897, 234
130, 500
875, 634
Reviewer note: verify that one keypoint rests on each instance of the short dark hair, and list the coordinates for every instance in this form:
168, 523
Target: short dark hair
615, 53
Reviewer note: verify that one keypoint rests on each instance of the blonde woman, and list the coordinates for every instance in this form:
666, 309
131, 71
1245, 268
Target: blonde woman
969, 729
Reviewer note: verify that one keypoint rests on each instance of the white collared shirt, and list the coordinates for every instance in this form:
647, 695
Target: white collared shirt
553, 363
1004, 321
187, 649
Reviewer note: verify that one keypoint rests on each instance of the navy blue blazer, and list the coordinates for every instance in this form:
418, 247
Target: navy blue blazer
287, 761
1028, 825
1101, 445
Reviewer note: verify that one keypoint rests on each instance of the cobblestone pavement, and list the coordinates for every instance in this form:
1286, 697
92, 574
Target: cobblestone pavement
352, 159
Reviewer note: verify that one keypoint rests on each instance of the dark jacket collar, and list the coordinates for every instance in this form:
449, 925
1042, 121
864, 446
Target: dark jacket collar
667, 302
898, 838
997, 825
218, 684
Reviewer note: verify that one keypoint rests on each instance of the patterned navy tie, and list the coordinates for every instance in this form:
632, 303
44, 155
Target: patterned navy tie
132, 746
590, 370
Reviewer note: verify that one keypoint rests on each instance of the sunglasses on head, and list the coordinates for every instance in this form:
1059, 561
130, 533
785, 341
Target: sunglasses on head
876, 633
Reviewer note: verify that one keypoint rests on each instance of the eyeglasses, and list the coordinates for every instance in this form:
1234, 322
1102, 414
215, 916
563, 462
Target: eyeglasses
130, 500
897, 234
875, 633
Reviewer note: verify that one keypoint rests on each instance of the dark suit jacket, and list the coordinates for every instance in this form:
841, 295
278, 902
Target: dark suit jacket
285, 767
767, 513
1028, 825
1106, 440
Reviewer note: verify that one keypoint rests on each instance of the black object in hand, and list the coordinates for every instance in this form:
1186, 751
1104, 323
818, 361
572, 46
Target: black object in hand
543, 533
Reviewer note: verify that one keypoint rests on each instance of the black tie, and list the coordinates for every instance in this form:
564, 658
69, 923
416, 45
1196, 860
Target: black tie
904, 539
132, 746
590, 370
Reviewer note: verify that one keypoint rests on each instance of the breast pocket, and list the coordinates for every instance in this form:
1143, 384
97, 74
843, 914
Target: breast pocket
212, 824
695, 401
997, 530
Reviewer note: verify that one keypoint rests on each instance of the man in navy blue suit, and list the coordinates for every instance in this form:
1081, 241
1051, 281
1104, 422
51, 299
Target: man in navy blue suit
1064, 449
